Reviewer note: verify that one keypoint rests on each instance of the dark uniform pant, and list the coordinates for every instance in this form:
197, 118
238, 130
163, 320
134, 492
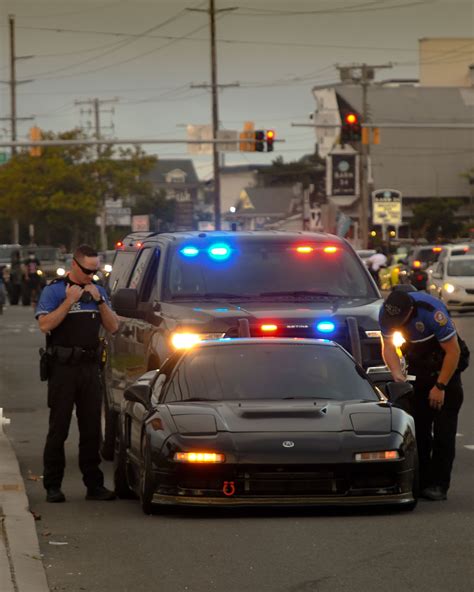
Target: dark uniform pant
436, 431
70, 385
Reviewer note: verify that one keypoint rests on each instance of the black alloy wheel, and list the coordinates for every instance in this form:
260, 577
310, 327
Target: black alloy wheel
146, 479
122, 488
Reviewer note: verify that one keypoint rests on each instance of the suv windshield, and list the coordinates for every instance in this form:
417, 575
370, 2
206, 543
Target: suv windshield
461, 268
267, 371
426, 255
266, 269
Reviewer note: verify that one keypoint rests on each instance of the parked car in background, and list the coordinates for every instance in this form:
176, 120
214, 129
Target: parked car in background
452, 280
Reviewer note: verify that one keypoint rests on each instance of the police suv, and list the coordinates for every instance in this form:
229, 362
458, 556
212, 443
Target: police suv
173, 290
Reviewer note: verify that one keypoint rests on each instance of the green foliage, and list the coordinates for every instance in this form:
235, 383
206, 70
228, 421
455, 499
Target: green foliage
434, 219
61, 191
308, 170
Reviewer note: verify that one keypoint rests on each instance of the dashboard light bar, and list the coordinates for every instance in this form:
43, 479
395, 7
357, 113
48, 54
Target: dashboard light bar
185, 340
269, 328
326, 327
190, 251
330, 249
219, 252
437, 249
377, 456
304, 249
199, 457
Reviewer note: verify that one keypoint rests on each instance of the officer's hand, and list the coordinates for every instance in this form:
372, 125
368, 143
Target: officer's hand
436, 398
93, 291
73, 293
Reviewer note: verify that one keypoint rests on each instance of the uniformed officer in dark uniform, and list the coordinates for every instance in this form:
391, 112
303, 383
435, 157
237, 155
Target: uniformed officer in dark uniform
432, 352
70, 312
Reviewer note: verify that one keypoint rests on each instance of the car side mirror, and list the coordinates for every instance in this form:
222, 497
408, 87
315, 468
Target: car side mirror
139, 393
125, 302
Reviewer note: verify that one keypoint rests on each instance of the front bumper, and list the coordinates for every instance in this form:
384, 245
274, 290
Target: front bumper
459, 300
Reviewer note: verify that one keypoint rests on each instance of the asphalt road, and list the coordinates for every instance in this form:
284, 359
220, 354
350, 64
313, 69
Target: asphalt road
113, 547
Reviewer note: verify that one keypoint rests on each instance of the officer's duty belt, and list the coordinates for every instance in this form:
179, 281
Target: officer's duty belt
73, 355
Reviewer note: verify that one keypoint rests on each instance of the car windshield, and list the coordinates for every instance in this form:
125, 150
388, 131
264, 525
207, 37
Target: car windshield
265, 370
427, 255
266, 269
462, 268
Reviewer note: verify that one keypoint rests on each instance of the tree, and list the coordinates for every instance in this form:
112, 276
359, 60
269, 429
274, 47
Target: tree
307, 170
434, 219
63, 190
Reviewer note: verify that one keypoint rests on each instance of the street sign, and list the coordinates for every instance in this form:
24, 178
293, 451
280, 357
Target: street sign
197, 133
327, 120
342, 172
387, 207
141, 223
117, 217
232, 140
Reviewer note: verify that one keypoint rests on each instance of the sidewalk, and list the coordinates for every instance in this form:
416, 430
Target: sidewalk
21, 567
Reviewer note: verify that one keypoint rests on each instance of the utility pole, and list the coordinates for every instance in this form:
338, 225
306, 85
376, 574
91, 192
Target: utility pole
363, 75
13, 111
215, 107
96, 110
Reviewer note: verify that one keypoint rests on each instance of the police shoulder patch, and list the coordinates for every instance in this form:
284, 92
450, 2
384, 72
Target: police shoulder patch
440, 318
420, 326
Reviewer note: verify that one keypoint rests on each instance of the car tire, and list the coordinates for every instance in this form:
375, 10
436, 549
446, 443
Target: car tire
146, 485
110, 428
122, 488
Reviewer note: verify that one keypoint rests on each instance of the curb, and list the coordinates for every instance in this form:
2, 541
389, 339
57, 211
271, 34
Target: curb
21, 566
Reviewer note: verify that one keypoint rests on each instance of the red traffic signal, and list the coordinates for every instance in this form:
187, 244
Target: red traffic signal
350, 130
351, 119
270, 139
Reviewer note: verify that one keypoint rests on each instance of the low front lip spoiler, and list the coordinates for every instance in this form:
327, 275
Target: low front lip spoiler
290, 501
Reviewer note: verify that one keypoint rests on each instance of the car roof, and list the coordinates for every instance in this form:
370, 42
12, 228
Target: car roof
266, 340
270, 235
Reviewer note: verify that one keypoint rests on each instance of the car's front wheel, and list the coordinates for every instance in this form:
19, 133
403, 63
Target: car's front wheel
147, 487
120, 466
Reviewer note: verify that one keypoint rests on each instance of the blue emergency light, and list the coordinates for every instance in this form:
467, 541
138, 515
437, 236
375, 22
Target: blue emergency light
326, 327
190, 251
219, 251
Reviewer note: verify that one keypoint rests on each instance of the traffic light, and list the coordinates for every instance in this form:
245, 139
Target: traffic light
350, 130
270, 140
259, 141
35, 136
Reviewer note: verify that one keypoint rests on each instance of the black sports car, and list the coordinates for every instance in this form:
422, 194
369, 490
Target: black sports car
241, 422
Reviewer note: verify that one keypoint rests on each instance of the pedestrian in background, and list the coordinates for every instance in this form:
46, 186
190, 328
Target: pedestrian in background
375, 262
433, 354
70, 312
15, 277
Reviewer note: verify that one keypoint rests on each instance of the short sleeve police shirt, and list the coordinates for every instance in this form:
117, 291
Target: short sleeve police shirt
82, 323
427, 322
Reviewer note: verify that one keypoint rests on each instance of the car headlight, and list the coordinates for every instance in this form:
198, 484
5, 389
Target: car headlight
95, 277
107, 268
60, 271
449, 288
39, 272
187, 340
397, 339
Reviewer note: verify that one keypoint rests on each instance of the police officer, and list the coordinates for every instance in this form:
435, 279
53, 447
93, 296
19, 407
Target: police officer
70, 312
432, 352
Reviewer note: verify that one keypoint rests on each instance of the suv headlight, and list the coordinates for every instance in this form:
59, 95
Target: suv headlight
449, 288
181, 340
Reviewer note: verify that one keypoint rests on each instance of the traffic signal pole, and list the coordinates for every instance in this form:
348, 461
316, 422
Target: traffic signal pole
364, 169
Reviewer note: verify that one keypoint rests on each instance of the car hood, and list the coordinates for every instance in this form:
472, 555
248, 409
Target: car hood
219, 316
363, 417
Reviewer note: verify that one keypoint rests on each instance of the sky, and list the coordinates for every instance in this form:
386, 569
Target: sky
147, 54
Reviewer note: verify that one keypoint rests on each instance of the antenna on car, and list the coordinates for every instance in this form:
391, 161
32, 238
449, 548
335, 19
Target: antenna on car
244, 328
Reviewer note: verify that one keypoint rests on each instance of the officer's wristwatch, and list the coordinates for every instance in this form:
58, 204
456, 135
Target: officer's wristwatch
100, 301
441, 386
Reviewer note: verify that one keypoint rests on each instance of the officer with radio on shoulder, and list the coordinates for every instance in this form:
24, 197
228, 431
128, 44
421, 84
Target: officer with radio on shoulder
436, 355
70, 312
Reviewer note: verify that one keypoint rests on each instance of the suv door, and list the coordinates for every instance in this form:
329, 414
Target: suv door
130, 344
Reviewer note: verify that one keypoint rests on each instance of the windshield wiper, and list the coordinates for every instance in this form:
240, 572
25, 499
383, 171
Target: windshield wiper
296, 293
211, 295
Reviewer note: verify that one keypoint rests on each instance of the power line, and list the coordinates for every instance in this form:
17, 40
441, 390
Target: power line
76, 12
365, 7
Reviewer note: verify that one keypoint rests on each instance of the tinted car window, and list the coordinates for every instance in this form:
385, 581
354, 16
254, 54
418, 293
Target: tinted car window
267, 371
140, 268
121, 270
461, 268
265, 268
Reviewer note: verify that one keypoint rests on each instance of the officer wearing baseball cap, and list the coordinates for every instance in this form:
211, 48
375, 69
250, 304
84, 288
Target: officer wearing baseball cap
433, 354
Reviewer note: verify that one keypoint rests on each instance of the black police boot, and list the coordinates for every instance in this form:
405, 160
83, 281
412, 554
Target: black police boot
55, 496
101, 494
435, 493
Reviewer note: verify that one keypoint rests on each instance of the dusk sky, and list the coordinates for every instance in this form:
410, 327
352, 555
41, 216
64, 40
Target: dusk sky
148, 53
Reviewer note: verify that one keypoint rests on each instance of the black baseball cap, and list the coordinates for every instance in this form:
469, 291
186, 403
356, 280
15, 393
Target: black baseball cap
395, 309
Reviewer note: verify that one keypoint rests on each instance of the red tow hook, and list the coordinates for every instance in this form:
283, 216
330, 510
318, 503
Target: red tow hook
229, 488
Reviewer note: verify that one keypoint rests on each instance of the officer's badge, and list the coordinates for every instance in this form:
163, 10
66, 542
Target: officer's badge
440, 318
420, 326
